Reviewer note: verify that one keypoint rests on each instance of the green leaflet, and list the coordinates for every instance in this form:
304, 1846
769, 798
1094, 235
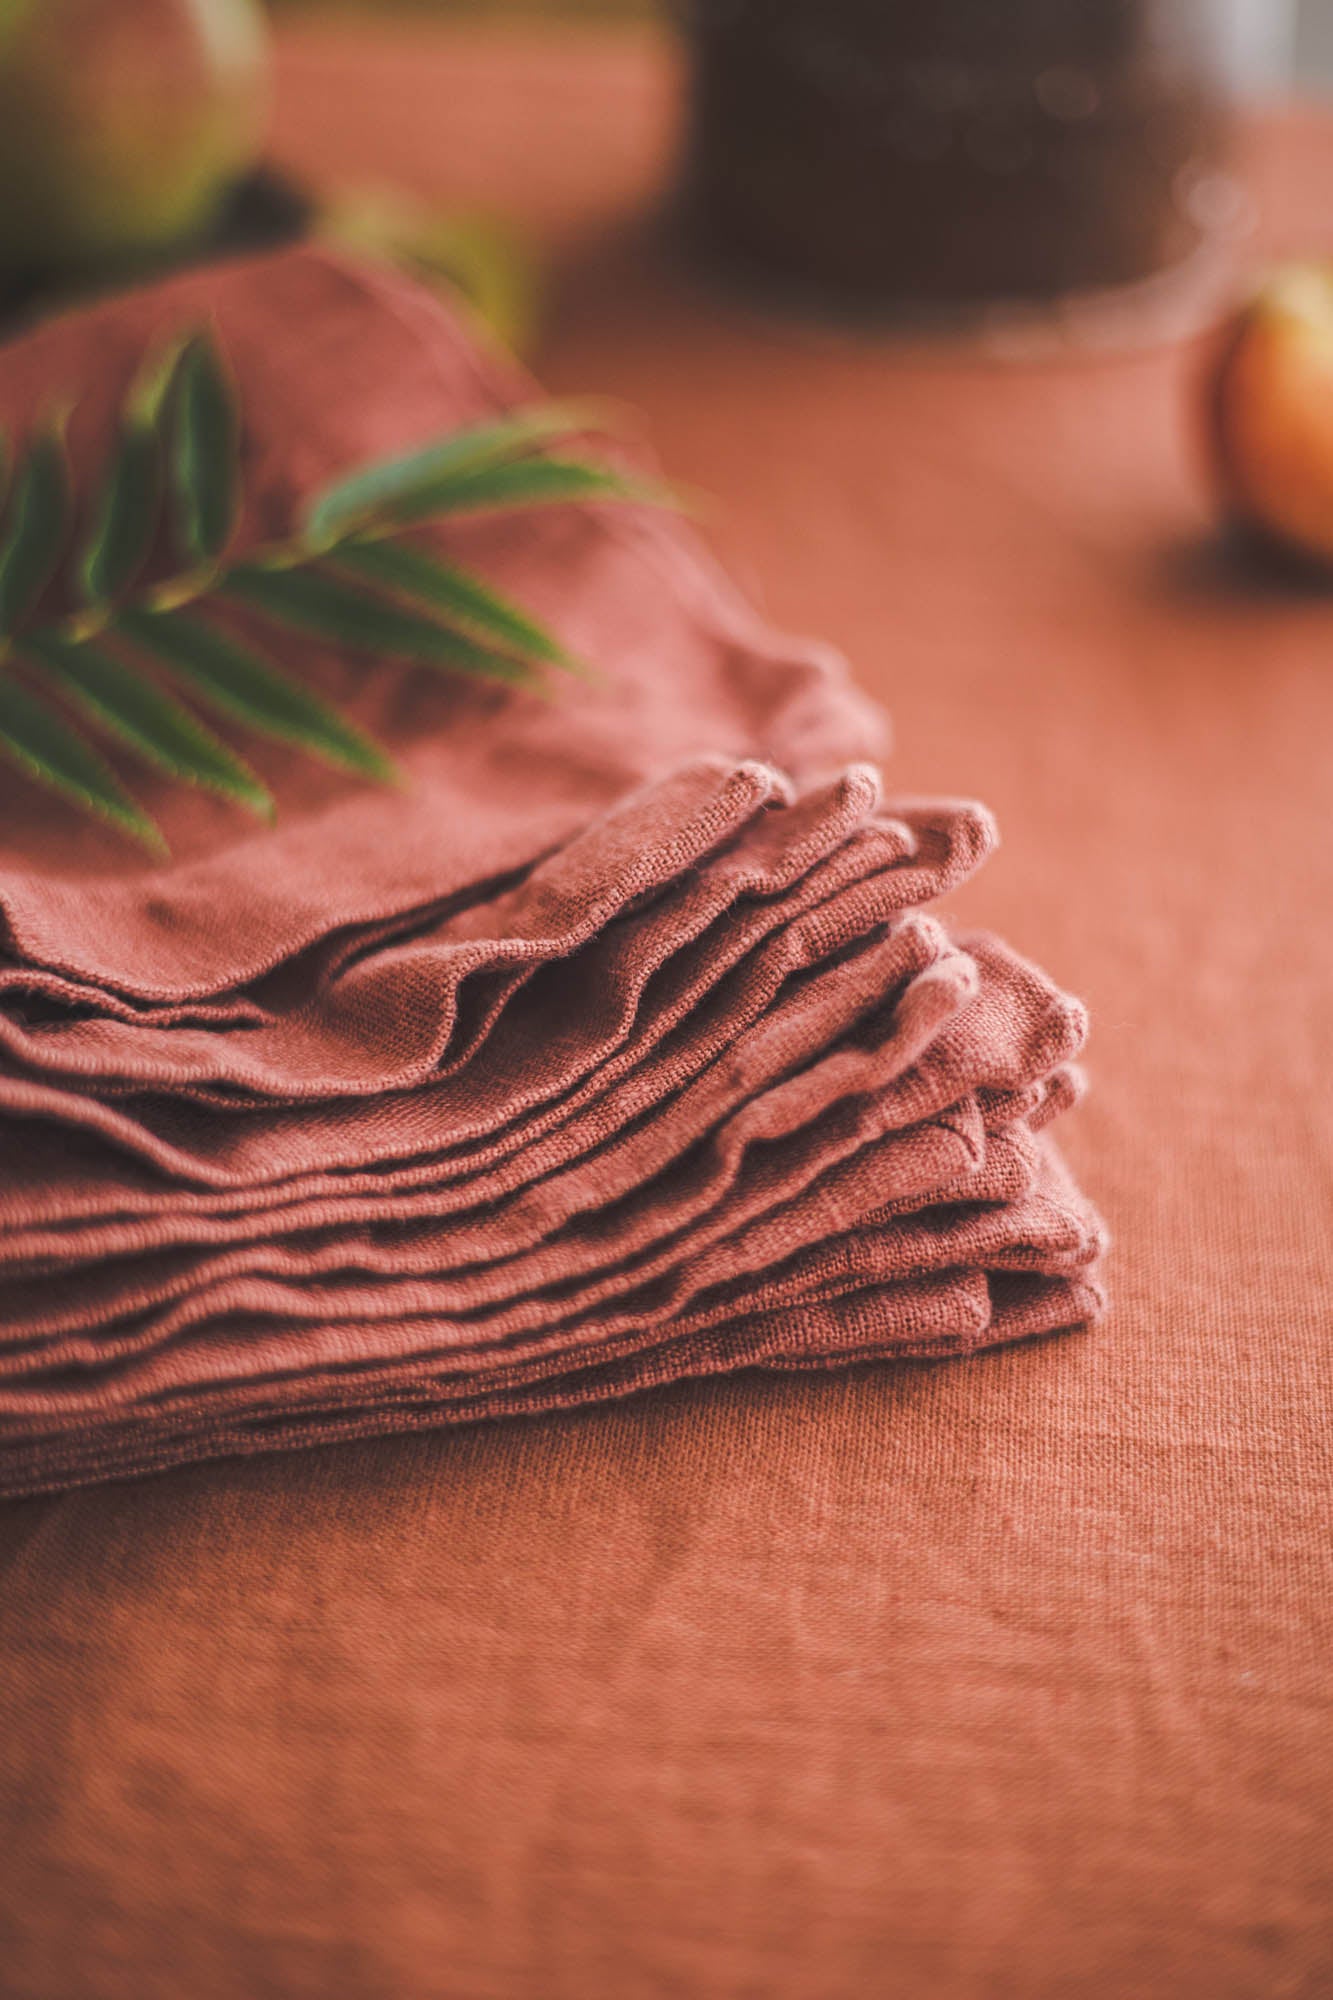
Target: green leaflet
399, 489
126, 516
127, 510
205, 451
38, 521
147, 395
238, 683
44, 745
152, 723
457, 595
314, 601
526, 482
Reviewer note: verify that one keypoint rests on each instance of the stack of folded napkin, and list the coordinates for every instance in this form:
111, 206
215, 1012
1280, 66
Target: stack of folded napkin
617, 1044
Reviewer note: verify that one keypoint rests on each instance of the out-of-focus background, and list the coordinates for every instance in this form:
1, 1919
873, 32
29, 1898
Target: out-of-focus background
1314, 41
1081, 167
1283, 39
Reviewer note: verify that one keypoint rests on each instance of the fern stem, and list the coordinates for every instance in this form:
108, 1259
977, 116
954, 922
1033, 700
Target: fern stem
182, 589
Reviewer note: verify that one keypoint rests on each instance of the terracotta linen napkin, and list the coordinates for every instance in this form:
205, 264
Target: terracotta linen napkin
617, 1046
338, 365
590, 1224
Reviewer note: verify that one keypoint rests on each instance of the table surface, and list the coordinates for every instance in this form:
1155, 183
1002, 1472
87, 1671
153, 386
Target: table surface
1006, 1678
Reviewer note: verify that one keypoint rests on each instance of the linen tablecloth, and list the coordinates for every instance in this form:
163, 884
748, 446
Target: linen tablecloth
1000, 1678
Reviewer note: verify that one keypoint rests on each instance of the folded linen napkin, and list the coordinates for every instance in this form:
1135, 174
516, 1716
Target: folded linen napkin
618, 1045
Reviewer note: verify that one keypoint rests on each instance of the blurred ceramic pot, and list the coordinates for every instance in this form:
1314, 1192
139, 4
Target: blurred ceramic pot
883, 153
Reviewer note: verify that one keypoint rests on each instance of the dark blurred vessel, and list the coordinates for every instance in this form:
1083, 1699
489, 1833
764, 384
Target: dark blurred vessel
939, 155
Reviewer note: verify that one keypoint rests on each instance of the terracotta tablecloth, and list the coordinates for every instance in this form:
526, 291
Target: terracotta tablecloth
1006, 1680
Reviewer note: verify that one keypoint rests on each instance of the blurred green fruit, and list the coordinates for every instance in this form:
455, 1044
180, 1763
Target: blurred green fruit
123, 123
473, 255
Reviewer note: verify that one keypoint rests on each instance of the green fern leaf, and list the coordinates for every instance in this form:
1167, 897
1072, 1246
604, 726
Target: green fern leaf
44, 745
402, 489
321, 604
126, 514
537, 482
236, 682
205, 451
346, 578
456, 595
152, 723
123, 527
39, 519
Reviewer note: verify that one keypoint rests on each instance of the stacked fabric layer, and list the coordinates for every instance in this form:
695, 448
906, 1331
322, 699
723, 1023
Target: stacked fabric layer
618, 1045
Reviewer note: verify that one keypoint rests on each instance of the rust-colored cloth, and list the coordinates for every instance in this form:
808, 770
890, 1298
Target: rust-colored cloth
1000, 1681
614, 1048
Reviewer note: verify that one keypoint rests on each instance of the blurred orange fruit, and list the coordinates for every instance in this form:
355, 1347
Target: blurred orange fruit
1271, 412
